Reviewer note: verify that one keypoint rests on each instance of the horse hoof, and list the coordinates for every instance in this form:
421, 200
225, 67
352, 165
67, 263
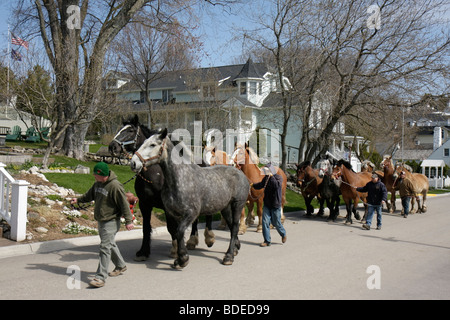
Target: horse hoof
140, 258
178, 266
227, 261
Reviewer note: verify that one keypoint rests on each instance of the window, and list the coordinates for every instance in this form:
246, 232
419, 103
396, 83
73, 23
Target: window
243, 88
167, 95
252, 89
209, 91
446, 152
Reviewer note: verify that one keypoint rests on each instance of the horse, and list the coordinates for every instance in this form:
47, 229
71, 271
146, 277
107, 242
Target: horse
348, 180
245, 159
388, 178
148, 186
308, 181
328, 189
420, 183
190, 191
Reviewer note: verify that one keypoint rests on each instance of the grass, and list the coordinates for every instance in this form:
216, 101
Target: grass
80, 183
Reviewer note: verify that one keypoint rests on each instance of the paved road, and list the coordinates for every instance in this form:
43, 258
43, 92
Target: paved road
407, 259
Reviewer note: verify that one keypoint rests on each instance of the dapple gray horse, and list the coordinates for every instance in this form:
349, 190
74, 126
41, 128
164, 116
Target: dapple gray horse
190, 191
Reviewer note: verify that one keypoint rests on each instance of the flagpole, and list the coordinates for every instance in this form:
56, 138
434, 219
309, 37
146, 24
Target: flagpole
9, 66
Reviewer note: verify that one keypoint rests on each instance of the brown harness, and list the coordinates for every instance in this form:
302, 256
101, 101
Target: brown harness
144, 161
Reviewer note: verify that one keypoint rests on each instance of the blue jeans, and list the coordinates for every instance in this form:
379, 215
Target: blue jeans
405, 203
271, 215
370, 211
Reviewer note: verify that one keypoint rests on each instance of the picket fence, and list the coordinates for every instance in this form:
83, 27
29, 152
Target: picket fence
13, 203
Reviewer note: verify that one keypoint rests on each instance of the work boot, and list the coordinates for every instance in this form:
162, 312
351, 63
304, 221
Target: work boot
366, 226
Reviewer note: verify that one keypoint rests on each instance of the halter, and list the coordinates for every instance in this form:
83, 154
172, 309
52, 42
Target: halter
144, 161
122, 144
303, 180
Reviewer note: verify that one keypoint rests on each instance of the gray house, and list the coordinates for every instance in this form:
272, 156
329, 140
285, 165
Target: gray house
242, 97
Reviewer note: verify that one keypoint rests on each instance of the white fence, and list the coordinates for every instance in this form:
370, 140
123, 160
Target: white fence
439, 182
13, 203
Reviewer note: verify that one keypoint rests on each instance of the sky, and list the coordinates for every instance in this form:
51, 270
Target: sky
215, 30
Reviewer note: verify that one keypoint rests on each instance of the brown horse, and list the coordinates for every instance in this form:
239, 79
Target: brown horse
308, 181
348, 180
246, 160
213, 156
388, 179
420, 183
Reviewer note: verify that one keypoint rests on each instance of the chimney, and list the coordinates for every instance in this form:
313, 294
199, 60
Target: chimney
437, 138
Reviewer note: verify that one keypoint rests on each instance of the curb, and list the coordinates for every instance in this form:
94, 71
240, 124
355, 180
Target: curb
57, 245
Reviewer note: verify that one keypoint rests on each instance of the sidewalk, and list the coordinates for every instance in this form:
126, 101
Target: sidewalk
10, 248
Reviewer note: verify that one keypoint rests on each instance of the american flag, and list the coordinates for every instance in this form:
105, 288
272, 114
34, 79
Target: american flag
18, 41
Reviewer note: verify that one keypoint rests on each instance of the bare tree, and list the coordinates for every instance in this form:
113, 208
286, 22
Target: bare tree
339, 50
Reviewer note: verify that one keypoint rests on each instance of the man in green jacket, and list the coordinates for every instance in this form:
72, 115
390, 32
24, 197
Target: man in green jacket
110, 204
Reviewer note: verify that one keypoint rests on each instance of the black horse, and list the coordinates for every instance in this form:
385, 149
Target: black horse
190, 191
148, 186
328, 190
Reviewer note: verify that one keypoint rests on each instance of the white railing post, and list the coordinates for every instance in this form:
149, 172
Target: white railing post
19, 202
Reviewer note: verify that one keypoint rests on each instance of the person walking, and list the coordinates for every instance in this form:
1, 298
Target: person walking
110, 205
377, 195
271, 183
406, 190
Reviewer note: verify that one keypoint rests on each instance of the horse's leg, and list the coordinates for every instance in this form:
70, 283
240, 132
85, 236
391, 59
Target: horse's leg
348, 206
392, 206
242, 225
183, 257
210, 237
413, 202
354, 209
250, 215
424, 198
259, 210
321, 204
144, 251
231, 215
309, 207
193, 239
172, 227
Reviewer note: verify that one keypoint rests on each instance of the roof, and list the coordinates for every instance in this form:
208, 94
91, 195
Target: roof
433, 163
188, 80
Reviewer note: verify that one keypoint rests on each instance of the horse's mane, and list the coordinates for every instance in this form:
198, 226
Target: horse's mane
345, 163
304, 164
134, 121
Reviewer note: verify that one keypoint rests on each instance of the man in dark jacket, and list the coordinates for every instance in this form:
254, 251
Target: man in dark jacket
272, 203
377, 195
110, 204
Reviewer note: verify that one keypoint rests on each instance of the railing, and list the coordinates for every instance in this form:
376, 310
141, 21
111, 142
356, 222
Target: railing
13, 203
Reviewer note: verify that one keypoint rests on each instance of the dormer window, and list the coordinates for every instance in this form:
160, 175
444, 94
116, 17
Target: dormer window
243, 88
253, 86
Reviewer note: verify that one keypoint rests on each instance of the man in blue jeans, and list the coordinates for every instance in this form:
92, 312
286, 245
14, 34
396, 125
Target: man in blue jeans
271, 183
377, 195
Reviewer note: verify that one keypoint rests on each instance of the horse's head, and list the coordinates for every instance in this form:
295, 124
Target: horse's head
387, 162
336, 174
128, 138
213, 156
152, 151
244, 155
324, 168
302, 169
